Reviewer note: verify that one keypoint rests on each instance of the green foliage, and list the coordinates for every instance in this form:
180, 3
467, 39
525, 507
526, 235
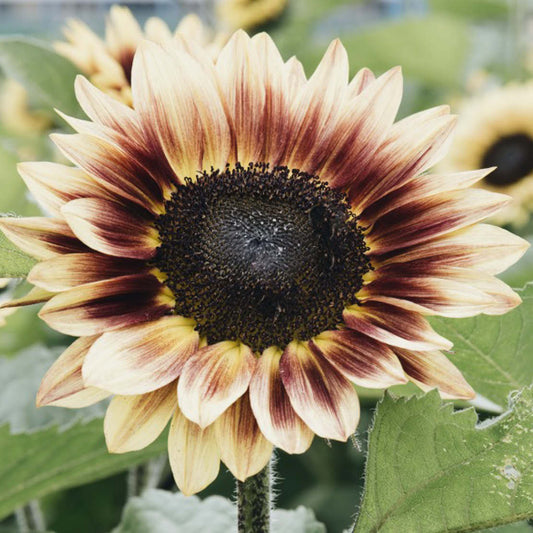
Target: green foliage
41, 462
46, 75
493, 352
52, 448
158, 511
472, 9
432, 470
14, 263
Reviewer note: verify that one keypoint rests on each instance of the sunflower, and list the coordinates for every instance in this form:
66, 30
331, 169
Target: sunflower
245, 243
249, 14
108, 63
496, 130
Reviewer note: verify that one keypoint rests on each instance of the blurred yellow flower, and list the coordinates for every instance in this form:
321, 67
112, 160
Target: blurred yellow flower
495, 129
16, 116
108, 62
248, 14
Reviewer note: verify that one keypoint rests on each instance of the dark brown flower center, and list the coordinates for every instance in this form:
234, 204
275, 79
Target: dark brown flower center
513, 155
259, 255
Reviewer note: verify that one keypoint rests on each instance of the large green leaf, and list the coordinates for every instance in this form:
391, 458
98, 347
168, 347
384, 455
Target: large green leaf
46, 75
35, 464
52, 448
20, 377
14, 263
494, 353
432, 470
158, 511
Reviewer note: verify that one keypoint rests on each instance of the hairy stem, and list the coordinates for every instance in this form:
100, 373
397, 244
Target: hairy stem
254, 502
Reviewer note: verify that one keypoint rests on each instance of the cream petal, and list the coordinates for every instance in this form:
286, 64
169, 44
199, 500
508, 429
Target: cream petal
193, 453
324, 399
141, 358
63, 385
35, 296
53, 184
243, 449
272, 408
296, 78
364, 123
484, 247
240, 75
107, 305
133, 422
180, 108
394, 326
359, 358
425, 220
433, 370
41, 237
110, 228
113, 168
360, 82
212, 379
70, 270
432, 295
277, 103
316, 111
106, 110
411, 146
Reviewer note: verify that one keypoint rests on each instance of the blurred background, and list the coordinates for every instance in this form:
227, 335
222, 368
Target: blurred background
451, 51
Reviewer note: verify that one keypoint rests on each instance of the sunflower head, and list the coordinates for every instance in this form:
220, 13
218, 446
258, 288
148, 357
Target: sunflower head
244, 243
108, 62
495, 130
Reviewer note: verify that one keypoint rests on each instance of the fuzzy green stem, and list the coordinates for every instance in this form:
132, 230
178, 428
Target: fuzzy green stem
253, 503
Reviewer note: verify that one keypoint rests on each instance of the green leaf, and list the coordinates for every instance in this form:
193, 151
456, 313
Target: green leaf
46, 75
20, 377
493, 352
52, 448
45, 461
432, 470
158, 511
14, 263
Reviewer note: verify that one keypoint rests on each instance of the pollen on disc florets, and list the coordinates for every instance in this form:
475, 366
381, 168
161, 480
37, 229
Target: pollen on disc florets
261, 255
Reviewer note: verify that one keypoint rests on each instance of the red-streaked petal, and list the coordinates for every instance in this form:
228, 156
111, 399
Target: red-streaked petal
113, 168
106, 110
431, 370
243, 448
425, 220
484, 247
394, 326
272, 408
213, 379
193, 454
277, 102
238, 69
316, 111
430, 295
141, 358
110, 228
41, 237
364, 122
412, 145
360, 82
63, 385
180, 107
324, 399
133, 422
53, 184
70, 270
359, 358
106, 305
